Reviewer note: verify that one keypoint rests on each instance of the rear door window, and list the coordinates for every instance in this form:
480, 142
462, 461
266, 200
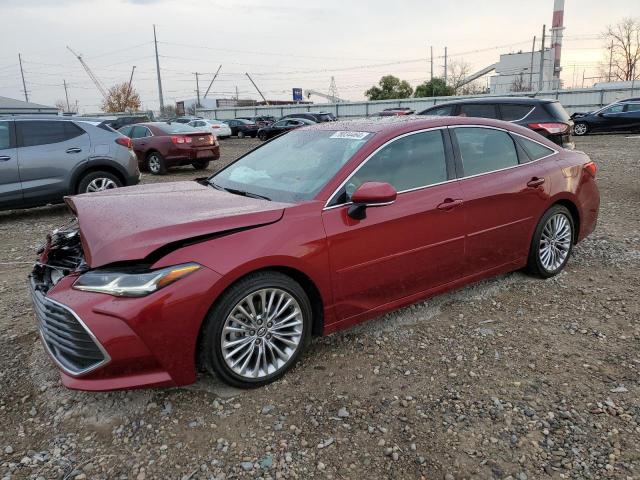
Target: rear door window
140, 132
481, 110
512, 112
33, 133
633, 107
485, 150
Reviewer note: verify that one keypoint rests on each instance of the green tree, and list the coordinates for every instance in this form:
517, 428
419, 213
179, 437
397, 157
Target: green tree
388, 88
434, 88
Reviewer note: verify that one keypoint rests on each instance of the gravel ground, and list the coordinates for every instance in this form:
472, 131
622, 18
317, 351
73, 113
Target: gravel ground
513, 378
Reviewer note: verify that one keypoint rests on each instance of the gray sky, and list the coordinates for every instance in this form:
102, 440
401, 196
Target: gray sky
283, 44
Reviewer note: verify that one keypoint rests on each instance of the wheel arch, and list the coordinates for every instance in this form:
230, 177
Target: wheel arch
109, 167
575, 214
307, 284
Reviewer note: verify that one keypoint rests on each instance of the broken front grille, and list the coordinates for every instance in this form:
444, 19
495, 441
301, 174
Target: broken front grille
66, 338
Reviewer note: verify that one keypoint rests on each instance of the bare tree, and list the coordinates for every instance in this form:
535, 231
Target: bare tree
457, 73
121, 99
61, 105
623, 39
518, 84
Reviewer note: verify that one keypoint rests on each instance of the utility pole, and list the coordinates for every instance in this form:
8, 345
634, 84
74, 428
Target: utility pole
155, 41
129, 88
432, 62
254, 84
237, 97
541, 73
66, 94
197, 89
212, 80
24, 85
610, 61
533, 51
445, 66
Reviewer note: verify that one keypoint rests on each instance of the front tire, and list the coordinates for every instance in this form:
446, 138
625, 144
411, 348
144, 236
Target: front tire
156, 164
257, 330
580, 129
241, 134
262, 136
552, 243
98, 182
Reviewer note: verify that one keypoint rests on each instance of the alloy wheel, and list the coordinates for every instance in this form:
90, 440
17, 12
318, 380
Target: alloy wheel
100, 184
580, 129
262, 333
154, 164
555, 242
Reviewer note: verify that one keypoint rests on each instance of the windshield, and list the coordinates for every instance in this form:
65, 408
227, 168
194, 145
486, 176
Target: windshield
291, 168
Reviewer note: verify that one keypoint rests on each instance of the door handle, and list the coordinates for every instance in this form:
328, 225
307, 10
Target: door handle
535, 182
73, 150
5, 158
450, 203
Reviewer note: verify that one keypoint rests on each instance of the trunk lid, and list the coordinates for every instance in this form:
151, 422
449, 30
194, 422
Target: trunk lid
131, 223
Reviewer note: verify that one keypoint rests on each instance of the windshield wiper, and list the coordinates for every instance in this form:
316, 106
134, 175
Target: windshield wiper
238, 192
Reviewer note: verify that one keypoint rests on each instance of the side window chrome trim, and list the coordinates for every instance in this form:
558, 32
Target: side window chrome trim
453, 127
518, 119
363, 163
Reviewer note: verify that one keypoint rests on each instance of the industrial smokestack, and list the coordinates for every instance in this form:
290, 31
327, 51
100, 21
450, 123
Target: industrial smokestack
557, 27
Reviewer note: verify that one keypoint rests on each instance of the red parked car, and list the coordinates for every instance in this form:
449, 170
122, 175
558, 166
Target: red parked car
310, 233
160, 145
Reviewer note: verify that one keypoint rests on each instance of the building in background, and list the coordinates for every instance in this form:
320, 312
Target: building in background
11, 106
514, 73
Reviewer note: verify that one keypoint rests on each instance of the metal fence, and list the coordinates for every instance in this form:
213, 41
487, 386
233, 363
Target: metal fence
582, 99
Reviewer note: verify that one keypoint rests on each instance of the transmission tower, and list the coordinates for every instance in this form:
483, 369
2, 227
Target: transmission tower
333, 91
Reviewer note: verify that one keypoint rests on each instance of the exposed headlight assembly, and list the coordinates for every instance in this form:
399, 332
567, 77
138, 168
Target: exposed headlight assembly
133, 283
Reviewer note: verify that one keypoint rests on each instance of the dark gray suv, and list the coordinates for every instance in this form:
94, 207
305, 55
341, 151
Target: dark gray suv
42, 159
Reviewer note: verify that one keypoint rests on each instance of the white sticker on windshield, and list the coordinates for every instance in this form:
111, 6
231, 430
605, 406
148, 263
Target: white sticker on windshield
349, 135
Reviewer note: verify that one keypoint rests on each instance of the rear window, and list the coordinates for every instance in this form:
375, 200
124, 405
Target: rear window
514, 112
176, 128
33, 133
557, 111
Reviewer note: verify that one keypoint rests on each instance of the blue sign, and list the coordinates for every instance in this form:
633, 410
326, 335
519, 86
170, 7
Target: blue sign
297, 94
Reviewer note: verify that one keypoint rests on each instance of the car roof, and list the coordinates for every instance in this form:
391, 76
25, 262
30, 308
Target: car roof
500, 100
55, 118
407, 123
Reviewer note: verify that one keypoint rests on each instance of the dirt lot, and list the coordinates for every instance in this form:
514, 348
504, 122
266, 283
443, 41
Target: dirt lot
511, 378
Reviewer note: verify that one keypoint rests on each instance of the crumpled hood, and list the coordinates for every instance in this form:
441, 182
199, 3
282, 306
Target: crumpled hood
131, 223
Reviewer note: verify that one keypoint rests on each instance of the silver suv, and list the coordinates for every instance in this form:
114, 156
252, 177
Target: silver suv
42, 159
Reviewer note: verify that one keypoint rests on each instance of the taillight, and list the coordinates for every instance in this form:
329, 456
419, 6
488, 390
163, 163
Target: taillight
215, 126
591, 168
125, 142
176, 139
552, 127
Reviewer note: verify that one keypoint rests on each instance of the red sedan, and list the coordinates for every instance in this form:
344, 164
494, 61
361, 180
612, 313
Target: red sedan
160, 145
310, 233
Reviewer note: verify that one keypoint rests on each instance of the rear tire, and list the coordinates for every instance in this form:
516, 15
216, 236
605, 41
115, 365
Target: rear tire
156, 164
200, 164
251, 351
580, 129
98, 182
241, 135
552, 243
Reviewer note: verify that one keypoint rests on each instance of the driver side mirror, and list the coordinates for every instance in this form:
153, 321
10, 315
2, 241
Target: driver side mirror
370, 194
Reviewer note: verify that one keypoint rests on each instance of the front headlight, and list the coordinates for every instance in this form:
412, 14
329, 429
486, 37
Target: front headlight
134, 283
